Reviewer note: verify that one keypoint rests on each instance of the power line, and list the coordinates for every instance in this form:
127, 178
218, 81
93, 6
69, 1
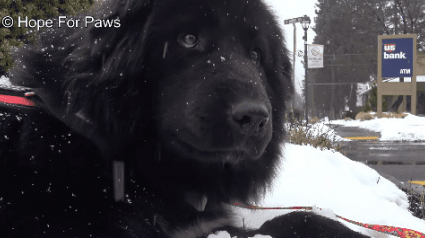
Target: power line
336, 83
340, 65
336, 55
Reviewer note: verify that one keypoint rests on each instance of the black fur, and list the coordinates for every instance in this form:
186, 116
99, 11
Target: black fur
188, 122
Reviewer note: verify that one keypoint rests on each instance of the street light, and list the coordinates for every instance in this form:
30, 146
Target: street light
305, 23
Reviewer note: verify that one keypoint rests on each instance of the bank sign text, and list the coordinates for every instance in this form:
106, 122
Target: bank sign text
397, 57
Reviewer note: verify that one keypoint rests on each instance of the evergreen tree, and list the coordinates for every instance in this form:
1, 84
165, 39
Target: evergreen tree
372, 101
33, 9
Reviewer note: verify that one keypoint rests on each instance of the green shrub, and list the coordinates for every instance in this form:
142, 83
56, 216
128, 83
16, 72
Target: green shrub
372, 102
312, 134
363, 116
33, 9
314, 120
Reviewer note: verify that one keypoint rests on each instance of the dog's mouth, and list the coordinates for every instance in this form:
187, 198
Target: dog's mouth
231, 155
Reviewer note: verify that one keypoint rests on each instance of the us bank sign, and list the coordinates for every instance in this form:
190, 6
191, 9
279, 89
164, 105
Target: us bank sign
397, 57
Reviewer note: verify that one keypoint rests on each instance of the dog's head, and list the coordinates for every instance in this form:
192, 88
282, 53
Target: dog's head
191, 92
223, 82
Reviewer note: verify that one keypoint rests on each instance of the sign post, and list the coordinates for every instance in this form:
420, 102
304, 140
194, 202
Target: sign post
397, 58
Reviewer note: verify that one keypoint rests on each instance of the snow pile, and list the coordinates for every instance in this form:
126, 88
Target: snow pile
411, 128
324, 212
309, 176
4, 80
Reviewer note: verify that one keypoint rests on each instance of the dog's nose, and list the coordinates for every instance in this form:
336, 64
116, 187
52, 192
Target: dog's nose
250, 117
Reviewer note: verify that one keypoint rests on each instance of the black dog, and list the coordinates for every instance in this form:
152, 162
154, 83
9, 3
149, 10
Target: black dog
150, 127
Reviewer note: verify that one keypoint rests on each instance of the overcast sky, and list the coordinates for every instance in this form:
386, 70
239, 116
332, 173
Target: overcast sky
288, 9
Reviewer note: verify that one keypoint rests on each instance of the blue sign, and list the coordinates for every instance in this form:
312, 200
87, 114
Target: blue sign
397, 57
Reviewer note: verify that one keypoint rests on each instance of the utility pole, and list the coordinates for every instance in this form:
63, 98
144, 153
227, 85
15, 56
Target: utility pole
305, 22
306, 77
294, 60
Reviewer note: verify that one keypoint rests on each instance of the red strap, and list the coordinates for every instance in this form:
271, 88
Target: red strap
14, 100
392, 230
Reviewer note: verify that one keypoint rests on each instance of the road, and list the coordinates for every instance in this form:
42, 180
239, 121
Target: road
398, 161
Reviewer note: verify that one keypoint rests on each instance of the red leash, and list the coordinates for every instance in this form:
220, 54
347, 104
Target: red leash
15, 100
392, 230
16, 97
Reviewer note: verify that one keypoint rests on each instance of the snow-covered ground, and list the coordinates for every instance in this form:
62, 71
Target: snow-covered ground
411, 128
329, 180
4, 80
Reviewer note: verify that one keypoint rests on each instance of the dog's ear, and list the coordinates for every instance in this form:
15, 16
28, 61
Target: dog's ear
49, 101
281, 61
280, 67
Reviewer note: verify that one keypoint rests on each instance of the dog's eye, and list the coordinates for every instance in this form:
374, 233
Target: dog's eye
188, 40
255, 56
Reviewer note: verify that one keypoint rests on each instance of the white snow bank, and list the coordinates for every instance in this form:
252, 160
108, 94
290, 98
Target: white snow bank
411, 128
328, 179
4, 80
